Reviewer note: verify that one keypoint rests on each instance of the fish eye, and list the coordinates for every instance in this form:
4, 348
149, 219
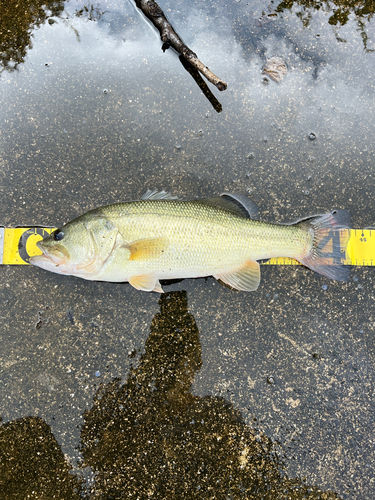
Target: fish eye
58, 235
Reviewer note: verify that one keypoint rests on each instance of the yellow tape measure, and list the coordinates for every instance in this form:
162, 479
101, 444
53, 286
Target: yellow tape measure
360, 250
18, 245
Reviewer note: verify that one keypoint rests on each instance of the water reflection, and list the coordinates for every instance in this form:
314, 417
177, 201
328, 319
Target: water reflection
341, 10
17, 21
151, 437
20, 19
32, 464
74, 152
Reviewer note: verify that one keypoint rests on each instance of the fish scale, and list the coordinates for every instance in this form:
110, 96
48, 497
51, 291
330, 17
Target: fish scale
199, 235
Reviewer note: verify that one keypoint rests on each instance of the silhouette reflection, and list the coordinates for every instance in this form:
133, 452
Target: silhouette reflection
152, 438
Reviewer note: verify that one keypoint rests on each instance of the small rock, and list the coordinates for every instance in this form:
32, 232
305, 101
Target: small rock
275, 68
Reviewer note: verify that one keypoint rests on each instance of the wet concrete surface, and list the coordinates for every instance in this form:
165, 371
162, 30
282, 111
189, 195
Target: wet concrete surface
203, 392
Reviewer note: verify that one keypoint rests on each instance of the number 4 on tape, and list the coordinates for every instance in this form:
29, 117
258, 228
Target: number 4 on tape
18, 245
360, 250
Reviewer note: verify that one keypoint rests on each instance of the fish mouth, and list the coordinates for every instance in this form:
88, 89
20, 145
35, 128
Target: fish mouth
51, 259
57, 260
45, 262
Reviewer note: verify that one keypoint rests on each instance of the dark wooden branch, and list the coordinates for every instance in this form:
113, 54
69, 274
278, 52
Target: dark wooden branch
168, 35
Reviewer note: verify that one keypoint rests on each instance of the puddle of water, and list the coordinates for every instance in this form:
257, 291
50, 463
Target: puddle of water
93, 112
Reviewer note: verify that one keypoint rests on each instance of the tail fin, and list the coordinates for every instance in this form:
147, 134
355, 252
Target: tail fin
329, 244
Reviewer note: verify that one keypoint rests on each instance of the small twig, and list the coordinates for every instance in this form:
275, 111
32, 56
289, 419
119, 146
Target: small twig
168, 35
202, 85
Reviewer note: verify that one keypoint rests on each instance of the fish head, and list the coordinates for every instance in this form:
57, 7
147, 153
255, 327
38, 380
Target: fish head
67, 250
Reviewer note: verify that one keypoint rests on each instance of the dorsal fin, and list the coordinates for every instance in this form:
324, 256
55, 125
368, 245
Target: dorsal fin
157, 195
247, 206
235, 203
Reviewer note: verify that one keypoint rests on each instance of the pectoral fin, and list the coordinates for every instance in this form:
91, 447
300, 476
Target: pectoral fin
146, 283
147, 249
246, 279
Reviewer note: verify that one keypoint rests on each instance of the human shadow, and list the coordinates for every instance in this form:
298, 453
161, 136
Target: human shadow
152, 438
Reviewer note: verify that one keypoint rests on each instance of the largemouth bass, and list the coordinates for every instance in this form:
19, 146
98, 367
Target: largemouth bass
159, 237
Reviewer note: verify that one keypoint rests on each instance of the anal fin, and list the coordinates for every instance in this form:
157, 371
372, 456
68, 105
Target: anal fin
158, 288
245, 279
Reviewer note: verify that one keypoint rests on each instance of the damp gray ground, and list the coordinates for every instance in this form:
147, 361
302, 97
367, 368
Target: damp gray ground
283, 378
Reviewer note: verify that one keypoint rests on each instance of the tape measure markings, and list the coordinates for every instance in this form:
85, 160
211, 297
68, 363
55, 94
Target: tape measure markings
2, 231
19, 244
